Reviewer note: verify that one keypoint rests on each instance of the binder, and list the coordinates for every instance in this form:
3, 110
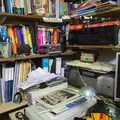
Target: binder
10, 83
45, 64
11, 34
3, 82
6, 84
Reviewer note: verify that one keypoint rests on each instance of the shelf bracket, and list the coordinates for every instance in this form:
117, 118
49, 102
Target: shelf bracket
2, 20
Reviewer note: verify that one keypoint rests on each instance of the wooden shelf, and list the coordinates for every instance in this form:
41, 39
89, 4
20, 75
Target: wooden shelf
29, 18
6, 107
114, 12
30, 57
21, 17
91, 46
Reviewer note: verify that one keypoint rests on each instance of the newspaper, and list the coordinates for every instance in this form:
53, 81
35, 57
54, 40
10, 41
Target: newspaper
56, 101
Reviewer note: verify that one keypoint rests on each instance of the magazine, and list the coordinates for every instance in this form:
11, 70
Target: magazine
58, 99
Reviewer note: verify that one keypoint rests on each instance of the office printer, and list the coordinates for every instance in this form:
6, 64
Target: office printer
35, 113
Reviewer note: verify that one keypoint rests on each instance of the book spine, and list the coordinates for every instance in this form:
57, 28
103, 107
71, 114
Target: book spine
50, 7
45, 64
2, 6
40, 39
49, 37
22, 6
6, 85
57, 9
55, 37
10, 6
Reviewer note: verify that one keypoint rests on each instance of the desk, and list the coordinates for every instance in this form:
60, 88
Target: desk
7, 107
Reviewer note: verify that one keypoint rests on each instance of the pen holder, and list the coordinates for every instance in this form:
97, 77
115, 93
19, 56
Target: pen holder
5, 49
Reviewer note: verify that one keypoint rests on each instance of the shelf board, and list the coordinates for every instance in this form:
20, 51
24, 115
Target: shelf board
114, 12
21, 17
29, 18
31, 57
6, 107
91, 46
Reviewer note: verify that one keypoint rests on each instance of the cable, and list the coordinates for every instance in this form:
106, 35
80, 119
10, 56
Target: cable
81, 77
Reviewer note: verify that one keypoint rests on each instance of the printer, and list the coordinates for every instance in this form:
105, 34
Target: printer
35, 113
65, 100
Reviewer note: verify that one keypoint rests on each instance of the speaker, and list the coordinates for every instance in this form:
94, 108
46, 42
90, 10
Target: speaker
105, 35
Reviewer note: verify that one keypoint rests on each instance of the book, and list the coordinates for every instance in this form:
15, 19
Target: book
6, 5
57, 9
28, 7
50, 6
9, 6
2, 6
10, 83
58, 65
11, 34
50, 65
21, 2
6, 78
3, 82
45, 64
87, 6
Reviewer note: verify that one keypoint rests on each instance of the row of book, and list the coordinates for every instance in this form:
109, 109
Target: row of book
21, 35
89, 6
55, 8
11, 75
15, 73
53, 65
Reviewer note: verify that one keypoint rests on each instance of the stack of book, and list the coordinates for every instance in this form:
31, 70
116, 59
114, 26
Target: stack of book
84, 8
106, 5
90, 6
21, 35
11, 75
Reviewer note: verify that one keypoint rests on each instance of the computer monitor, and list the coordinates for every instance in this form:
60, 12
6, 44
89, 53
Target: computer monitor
117, 78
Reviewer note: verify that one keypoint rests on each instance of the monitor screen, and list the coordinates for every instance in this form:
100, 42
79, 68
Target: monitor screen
117, 78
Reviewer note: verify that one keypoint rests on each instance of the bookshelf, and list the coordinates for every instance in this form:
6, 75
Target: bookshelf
92, 46
113, 13
11, 106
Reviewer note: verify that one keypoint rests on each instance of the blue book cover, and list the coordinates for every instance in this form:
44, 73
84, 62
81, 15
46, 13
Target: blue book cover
9, 6
49, 37
19, 38
45, 64
86, 11
22, 35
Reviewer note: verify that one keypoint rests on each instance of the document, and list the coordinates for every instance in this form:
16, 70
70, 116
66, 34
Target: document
36, 77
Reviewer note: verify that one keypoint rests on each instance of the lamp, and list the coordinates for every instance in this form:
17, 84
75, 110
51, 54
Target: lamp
87, 91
